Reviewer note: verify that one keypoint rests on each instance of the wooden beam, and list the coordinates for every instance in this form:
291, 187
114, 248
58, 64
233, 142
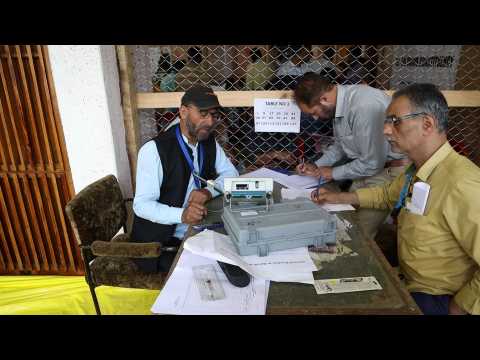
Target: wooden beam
129, 106
462, 98
226, 98
455, 98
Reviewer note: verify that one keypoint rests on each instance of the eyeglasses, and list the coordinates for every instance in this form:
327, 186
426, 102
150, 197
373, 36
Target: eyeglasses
395, 120
216, 115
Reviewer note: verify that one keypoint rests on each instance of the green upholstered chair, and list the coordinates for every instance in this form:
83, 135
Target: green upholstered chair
96, 214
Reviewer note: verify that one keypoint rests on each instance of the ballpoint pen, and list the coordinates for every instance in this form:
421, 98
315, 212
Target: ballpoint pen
356, 279
320, 184
302, 163
202, 227
208, 182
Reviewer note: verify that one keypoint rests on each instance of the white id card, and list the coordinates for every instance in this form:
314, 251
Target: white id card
419, 198
336, 286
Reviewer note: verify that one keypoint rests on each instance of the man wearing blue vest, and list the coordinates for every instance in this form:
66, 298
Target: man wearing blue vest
168, 197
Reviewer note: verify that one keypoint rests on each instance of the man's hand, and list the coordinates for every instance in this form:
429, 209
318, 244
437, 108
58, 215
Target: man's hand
454, 309
200, 196
307, 169
325, 172
314, 170
193, 213
321, 196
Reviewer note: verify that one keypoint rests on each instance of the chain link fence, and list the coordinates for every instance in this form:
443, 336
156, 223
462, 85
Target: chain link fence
269, 67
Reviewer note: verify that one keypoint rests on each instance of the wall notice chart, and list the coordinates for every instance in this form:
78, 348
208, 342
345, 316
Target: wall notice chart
276, 115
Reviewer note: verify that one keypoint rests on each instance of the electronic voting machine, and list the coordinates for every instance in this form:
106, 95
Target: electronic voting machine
257, 225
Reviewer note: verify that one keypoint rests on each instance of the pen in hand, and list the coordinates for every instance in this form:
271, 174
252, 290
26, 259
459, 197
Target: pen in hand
302, 165
321, 182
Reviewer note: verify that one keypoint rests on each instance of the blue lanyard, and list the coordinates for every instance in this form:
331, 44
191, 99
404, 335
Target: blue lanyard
187, 156
403, 194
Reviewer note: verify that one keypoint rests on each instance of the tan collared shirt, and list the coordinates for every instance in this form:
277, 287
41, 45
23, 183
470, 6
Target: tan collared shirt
439, 251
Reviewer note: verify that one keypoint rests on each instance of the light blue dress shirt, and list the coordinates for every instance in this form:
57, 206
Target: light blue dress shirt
149, 179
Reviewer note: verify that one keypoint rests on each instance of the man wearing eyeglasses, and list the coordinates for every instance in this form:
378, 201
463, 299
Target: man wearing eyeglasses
360, 151
439, 244
168, 197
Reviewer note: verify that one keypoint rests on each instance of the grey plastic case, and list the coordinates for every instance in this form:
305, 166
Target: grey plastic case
286, 225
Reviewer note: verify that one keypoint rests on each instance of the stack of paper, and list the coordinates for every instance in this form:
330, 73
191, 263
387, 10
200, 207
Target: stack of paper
181, 295
293, 265
300, 182
290, 194
266, 173
290, 181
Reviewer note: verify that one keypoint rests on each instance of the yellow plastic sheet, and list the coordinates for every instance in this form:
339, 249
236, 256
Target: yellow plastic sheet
69, 295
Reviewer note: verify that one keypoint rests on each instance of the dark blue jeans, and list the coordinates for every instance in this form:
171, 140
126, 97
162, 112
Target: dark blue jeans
432, 304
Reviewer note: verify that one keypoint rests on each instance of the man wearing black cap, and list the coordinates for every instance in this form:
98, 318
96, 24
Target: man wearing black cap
168, 197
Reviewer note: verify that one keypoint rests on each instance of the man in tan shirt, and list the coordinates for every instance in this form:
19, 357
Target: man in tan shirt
438, 245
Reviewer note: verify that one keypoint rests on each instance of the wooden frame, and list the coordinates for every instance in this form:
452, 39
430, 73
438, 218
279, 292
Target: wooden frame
455, 98
129, 106
35, 176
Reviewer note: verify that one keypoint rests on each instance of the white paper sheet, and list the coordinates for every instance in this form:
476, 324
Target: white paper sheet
300, 182
290, 194
180, 295
338, 207
276, 115
266, 173
292, 181
293, 265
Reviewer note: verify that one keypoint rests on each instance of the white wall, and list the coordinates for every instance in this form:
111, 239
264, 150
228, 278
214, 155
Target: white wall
88, 93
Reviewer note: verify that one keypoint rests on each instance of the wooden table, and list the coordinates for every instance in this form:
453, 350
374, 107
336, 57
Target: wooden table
302, 299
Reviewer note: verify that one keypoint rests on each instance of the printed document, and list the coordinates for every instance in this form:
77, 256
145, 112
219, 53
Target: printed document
290, 181
292, 265
181, 294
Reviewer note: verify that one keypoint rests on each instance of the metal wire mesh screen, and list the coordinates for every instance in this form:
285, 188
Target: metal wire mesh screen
270, 67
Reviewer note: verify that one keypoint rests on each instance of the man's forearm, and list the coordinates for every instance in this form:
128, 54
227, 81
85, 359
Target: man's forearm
346, 198
330, 156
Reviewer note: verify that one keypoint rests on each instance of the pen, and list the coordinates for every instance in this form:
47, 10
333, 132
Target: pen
208, 182
352, 280
302, 164
202, 227
209, 284
320, 184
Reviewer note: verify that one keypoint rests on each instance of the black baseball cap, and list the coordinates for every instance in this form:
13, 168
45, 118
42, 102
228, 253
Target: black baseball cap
202, 97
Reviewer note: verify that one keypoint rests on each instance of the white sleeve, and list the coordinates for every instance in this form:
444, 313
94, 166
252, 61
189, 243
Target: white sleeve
148, 181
